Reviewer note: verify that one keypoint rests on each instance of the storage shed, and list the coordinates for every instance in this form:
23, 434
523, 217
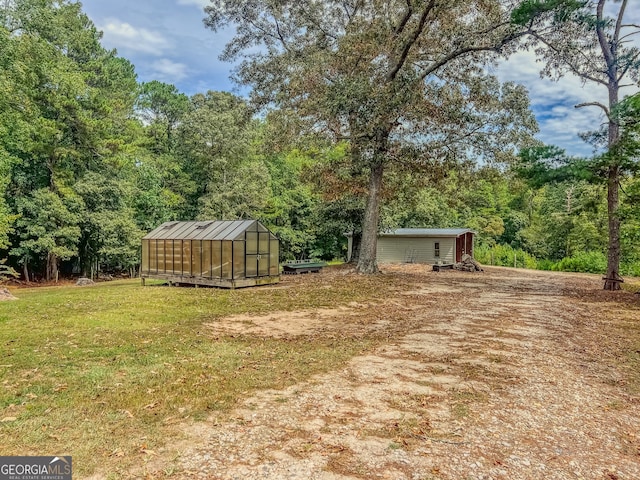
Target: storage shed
423, 245
230, 254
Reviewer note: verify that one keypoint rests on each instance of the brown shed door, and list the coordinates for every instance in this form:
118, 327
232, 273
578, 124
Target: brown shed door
468, 249
459, 248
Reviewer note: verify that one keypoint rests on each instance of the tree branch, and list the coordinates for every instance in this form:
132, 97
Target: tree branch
608, 54
323, 30
628, 66
279, 32
403, 23
616, 35
595, 104
412, 40
575, 70
356, 7
462, 51
621, 40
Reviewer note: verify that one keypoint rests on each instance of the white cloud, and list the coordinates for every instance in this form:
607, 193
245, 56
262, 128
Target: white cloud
198, 3
524, 69
554, 102
167, 71
125, 36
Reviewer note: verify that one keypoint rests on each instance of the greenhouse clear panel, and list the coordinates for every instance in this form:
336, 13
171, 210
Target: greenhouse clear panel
206, 259
252, 243
186, 258
216, 259
274, 258
227, 259
153, 257
238, 259
144, 267
177, 257
196, 258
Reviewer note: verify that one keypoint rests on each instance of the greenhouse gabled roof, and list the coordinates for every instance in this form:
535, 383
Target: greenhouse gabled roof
205, 230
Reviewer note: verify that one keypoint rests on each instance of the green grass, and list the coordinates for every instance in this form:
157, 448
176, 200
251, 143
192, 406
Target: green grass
104, 373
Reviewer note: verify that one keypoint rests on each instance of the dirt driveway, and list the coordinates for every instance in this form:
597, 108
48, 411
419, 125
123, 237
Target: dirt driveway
506, 374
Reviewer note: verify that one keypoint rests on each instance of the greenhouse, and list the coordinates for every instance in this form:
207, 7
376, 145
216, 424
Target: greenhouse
230, 254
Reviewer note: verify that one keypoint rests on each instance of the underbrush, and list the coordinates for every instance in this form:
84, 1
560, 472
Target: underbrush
585, 262
504, 256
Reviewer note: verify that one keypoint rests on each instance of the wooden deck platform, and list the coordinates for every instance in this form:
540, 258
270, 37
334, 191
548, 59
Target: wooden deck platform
442, 266
302, 267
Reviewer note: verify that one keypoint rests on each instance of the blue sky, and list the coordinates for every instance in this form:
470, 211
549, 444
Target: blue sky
166, 40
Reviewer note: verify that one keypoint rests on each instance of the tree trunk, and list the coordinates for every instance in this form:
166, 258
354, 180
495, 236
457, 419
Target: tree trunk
367, 262
356, 241
85, 262
613, 279
25, 270
52, 267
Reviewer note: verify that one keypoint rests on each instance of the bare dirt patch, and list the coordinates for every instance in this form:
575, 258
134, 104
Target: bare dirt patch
506, 374
283, 324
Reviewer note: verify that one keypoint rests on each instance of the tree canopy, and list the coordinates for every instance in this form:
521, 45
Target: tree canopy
363, 116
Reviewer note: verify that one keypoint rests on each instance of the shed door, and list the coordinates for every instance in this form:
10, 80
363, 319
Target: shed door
468, 249
459, 248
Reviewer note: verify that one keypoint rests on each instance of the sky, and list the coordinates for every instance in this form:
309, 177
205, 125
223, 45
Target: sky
166, 40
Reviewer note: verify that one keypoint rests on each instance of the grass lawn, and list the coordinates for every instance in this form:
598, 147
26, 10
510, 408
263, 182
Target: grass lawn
105, 372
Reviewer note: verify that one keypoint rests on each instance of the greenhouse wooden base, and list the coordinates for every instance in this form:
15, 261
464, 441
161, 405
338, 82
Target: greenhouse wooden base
213, 282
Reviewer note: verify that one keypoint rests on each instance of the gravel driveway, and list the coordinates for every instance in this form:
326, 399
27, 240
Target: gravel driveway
505, 374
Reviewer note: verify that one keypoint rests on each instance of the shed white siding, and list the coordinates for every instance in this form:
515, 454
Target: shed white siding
415, 250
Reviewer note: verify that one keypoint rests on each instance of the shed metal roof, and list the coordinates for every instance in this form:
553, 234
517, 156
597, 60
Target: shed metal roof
205, 230
427, 232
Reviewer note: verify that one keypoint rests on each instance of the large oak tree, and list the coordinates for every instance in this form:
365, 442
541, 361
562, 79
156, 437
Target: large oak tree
396, 79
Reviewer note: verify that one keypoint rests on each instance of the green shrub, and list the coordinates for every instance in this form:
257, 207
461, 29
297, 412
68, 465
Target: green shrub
546, 264
503, 255
6, 271
630, 269
587, 262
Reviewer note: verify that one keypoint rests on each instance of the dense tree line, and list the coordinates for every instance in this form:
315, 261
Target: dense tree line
91, 159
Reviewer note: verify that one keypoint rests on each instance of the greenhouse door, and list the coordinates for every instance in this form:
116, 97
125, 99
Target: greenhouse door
257, 254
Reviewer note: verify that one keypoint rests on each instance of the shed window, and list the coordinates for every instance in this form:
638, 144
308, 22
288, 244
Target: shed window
436, 249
